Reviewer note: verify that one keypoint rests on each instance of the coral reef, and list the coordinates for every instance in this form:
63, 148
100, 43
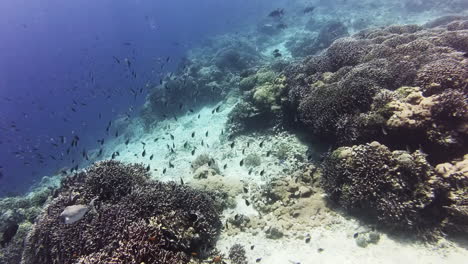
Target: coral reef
207, 74
400, 189
455, 175
252, 160
237, 254
223, 190
261, 103
205, 159
16, 217
336, 94
131, 220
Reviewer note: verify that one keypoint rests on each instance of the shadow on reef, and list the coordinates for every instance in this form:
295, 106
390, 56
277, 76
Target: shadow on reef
123, 217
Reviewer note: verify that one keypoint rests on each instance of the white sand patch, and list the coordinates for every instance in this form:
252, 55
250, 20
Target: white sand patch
336, 239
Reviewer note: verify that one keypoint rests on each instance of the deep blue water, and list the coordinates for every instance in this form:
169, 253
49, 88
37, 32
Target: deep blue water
59, 76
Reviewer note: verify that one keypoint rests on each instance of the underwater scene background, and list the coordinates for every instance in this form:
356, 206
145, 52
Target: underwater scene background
247, 131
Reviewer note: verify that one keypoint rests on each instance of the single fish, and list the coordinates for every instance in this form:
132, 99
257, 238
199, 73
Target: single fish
74, 213
276, 13
309, 9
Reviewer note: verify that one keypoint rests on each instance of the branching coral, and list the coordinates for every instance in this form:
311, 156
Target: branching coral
398, 188
340, 105
144, 221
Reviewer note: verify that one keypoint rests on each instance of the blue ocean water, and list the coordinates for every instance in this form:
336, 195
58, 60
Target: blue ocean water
64, 70
235, 132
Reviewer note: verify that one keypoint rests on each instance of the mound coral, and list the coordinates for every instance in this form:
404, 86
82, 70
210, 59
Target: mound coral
261, 105
132, 220
205, 159
333, 94
400, 189
396, 187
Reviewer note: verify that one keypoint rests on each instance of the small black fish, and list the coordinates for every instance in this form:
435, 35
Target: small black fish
198, 116
116, 59
307, 240
356, 235
171, 165
181, 181
193, 134
262, 172
127, 141
217, 108
232, 144
164, 171
191, 110
151, 157
250, 171
252, 247
148, 168
241, 163
156, 139
246, 190
276, 53
243, 151
276, 13
261, 144
281, 26
247, 202
172, 136
193, 152
143, 153
309, 9
319, 250
268, 153
258, 260
225, 166
206, 134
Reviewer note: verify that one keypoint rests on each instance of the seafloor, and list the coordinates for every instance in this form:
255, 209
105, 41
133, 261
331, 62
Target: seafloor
316, 142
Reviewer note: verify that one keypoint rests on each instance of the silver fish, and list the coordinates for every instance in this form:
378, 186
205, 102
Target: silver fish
74, 213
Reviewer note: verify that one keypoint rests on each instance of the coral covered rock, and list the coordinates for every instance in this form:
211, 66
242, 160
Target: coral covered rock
237, 254
333, 94
398, 188
133, 221
455, 174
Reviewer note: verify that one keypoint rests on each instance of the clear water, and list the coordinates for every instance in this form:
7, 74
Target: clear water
94, 72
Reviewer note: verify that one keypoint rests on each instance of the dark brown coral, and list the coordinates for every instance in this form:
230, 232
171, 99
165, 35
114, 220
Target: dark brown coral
133, 220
